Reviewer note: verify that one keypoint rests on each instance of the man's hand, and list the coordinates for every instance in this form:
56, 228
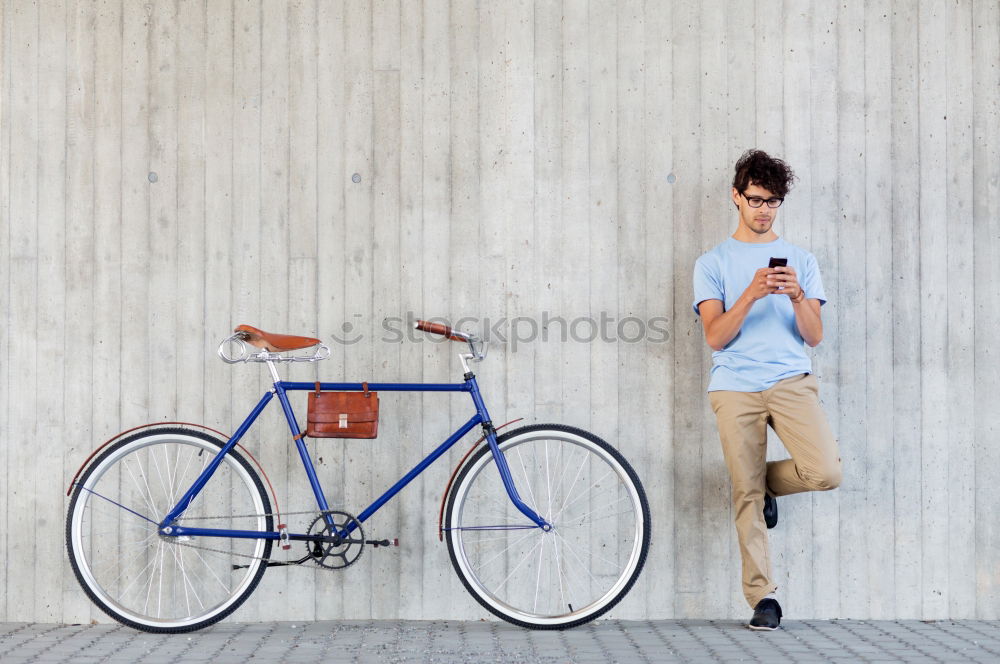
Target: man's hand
722, 326
762, 285
784, 281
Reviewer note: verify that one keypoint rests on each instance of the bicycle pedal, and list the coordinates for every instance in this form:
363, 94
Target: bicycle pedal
377, 543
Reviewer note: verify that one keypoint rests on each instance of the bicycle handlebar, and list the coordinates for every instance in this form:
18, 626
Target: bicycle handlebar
443, 330
477, 347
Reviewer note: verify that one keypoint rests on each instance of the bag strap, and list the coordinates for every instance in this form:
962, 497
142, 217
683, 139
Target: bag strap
364, 386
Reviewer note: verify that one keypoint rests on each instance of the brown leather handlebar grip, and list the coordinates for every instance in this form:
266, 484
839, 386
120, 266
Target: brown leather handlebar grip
439, 328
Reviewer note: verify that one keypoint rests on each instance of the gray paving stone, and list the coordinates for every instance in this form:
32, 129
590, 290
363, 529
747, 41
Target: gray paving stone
449, 642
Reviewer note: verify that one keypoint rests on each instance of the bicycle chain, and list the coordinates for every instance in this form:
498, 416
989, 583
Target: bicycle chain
247, 555
247, 516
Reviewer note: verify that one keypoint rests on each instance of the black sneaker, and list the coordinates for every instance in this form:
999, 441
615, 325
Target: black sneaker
770, 510
766, 615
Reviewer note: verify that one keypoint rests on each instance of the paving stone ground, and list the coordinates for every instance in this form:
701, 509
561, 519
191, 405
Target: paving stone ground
657, 641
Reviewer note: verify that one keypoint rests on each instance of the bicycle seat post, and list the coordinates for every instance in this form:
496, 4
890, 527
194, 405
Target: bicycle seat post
274, 370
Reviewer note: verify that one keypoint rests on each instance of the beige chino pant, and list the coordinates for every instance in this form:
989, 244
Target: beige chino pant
791, 407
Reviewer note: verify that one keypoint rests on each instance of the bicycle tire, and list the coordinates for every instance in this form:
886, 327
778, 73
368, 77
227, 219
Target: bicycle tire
578, 570
152, 582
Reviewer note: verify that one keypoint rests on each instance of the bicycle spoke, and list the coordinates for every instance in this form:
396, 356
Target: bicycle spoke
527, 481
565, 465
122, 570
582, 564
159, 474
587, 515
146, 495
573, 585
189, 582
117, 564
504, 550
218, 579
484, 540
184, 580
149, 588
538, 577
548, 481
559, 570
178, 485
565, 525
205, 460
159, 585
586, 495
518, 566
592, 555
569, 492
171, 468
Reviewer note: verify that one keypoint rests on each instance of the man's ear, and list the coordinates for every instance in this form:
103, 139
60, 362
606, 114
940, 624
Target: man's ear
736, 198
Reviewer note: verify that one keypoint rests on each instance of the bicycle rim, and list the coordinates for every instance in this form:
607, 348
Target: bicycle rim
579, 569
166, 584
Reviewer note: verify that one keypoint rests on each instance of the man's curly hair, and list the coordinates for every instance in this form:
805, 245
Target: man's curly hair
759, 168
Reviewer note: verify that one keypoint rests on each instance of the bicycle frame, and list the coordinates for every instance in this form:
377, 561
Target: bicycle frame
169, 528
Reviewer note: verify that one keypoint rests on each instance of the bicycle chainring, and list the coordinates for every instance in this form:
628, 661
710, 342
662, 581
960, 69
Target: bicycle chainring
344, 550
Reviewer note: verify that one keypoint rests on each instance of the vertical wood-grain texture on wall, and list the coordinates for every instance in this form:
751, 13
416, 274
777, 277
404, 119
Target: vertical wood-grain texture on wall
551, 170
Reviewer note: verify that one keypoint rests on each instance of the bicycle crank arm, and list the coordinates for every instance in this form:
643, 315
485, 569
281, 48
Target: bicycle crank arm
377, 543
279, 563
326, 539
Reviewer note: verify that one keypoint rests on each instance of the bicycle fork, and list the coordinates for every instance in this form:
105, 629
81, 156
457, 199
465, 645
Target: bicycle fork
501, 461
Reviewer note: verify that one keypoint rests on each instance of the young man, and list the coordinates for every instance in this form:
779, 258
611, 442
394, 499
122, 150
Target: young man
756, 319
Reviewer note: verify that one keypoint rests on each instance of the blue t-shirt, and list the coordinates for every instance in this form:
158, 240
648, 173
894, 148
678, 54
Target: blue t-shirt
768, 347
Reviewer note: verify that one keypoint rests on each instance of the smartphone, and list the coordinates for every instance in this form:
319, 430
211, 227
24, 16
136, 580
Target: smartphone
778, 262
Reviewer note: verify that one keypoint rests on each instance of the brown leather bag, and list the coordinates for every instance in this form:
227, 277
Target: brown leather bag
343, 414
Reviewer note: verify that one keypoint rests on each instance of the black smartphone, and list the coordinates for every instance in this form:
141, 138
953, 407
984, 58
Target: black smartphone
778, 262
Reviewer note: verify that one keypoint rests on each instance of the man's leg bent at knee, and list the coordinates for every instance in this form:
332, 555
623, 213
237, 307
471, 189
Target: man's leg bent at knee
802, 426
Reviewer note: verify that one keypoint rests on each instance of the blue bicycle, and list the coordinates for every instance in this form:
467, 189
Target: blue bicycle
170, 528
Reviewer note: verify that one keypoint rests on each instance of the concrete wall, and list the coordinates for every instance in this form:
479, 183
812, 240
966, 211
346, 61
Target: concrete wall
170, 169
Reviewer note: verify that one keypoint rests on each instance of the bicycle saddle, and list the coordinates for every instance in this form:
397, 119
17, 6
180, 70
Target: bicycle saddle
275, 343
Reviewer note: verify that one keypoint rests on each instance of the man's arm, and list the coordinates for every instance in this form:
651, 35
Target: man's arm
722, 326
808, 320
807, 312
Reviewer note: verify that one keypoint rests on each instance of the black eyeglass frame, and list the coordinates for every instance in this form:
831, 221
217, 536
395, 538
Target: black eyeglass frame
769, 201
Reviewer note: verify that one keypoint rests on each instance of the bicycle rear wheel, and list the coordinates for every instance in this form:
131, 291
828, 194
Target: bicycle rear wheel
157, 583
576, 571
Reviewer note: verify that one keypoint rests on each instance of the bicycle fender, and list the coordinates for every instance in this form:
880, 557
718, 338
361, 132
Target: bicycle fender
454, 474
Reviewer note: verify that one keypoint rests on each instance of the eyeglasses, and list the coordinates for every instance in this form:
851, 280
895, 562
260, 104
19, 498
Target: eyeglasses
757, 201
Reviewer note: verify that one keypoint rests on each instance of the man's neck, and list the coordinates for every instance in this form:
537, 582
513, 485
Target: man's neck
743, 234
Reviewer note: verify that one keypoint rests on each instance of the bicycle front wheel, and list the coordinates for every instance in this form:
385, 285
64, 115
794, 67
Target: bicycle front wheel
158, 583
580, 568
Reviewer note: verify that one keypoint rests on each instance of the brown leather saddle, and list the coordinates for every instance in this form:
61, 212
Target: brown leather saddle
275, 343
